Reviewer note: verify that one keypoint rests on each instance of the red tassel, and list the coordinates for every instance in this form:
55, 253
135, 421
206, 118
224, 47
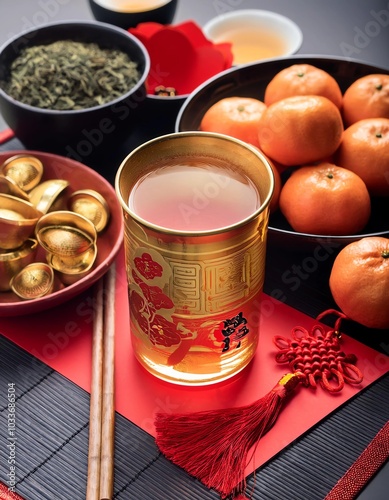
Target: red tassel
213, 445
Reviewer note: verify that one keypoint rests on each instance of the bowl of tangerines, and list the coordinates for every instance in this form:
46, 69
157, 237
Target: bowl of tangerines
323, 124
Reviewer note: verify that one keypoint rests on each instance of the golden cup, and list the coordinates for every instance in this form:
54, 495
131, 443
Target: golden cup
195, 293
18, 219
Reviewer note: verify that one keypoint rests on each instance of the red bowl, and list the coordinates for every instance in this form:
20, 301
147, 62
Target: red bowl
108, 244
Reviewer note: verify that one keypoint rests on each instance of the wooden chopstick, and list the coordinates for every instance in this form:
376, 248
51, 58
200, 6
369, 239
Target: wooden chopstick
102, 405
108, 410
93, 483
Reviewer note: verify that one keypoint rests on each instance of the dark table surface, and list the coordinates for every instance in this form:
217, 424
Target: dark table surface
358, 29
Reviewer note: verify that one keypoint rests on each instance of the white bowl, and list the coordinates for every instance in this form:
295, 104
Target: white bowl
255, 34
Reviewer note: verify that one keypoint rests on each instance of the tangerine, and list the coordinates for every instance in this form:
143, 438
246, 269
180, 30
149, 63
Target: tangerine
303, 79
359, 281
325, 199
300, 130
367, 97
235, 116
365, 150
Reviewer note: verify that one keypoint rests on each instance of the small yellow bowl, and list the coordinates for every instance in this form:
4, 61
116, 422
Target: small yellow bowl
33, 281
92, 205
18, 219
49, 195
25, 170
9, 186
65, 233
71, 269
12, 261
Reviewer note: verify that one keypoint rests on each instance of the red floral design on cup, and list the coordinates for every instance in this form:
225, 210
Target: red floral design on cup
147, 267
146, 300
159, 330
154, 295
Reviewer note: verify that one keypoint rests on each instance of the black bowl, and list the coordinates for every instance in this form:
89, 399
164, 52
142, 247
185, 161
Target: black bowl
250, 80
75, 133
162, 15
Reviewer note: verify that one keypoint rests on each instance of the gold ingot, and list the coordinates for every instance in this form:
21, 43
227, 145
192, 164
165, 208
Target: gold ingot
33, 281
18, 219
25, 170
71, 269
91, 205
12, 261
65, 233
9, 186
49, 195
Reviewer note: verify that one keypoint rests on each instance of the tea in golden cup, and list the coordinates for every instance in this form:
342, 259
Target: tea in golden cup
195, 206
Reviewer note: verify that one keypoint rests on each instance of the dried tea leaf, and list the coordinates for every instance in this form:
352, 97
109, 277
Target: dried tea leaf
68, 75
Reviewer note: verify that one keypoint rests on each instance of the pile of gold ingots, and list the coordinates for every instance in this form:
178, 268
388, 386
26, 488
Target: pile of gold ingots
36, 214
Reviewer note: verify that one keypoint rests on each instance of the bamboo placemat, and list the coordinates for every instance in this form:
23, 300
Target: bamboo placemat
52, 423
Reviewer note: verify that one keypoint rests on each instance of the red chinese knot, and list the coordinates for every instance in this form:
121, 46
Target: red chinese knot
316, 357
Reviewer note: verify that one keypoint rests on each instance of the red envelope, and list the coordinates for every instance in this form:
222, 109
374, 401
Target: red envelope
181, 56
62, 338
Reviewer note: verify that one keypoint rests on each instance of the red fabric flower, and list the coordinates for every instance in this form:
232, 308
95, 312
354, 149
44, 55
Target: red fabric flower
181, 56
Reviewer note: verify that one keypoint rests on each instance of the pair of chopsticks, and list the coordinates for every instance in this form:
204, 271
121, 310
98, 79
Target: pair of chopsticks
102, 399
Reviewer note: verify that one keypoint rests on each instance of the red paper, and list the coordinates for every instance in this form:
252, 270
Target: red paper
61, 338
181, 56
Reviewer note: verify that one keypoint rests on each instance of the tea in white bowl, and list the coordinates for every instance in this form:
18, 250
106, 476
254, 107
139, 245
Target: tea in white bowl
255, 34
